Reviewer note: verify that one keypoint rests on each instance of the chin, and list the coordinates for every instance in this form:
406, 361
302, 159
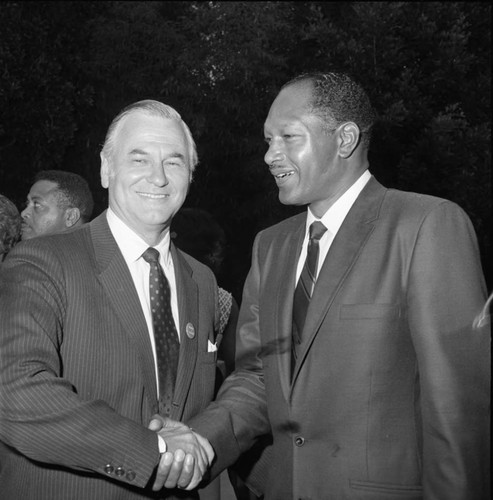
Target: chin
286, 199
158, 220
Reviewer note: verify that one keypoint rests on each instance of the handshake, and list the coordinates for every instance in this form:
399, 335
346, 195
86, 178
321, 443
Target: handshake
187, 458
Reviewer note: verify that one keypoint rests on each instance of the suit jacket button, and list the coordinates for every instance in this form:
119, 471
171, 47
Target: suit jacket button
120, 471
299, 441
109, 469
130, 475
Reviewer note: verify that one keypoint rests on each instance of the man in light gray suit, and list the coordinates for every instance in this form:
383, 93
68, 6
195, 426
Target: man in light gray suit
78, 364
373, 381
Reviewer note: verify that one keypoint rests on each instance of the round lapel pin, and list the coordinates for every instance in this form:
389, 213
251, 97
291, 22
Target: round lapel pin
190, 331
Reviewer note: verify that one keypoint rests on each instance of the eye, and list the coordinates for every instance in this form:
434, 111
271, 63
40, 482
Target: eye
267, 140
174, 162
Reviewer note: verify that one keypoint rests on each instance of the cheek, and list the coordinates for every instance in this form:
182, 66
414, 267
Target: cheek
301, 155
118, 188
41, 222
181, 180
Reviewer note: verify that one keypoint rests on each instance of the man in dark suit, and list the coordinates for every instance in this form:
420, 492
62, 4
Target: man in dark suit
79, 371
375, 385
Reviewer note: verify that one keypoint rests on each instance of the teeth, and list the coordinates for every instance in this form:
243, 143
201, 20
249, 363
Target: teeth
285, 174
154, 196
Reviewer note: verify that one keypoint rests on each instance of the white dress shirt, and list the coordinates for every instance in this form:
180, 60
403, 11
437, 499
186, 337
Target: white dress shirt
332, 220
132, 247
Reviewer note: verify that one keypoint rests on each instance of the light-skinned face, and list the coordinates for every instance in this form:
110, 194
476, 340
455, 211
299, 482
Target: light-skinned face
147, 174
42, 214
302, 157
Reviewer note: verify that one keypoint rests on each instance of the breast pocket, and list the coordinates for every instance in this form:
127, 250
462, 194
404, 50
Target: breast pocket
208, 357
205, 375
370, 490
369, 311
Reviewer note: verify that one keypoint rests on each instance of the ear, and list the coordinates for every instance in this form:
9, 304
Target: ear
350, 137
105, 171
72, 216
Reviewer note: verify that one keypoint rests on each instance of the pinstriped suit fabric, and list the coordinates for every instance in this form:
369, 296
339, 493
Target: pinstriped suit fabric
77, 372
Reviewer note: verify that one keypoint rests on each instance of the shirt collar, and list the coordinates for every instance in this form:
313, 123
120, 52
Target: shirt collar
335, 215
131, 244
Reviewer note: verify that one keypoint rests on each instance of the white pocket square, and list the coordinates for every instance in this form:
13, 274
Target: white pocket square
211, 347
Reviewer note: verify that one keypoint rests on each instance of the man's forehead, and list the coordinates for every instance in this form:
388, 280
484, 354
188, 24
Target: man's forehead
43, 188
292, 103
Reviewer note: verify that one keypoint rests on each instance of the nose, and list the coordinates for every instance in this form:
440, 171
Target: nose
157, 175
25, 213
275, 152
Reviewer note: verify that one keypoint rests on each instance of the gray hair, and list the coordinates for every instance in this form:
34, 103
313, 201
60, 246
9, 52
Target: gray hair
152, 108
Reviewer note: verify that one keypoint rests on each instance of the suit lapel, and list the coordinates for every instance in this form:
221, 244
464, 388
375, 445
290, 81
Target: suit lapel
188, 305
343, 253
116, 279
287, 259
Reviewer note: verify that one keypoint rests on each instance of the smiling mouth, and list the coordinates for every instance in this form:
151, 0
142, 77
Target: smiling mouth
284, 175
154, 196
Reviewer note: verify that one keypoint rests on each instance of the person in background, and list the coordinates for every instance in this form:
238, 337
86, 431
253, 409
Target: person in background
356, 343
10, 226
105, 325
57, 201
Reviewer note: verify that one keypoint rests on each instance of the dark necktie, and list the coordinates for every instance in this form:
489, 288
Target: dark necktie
165, 334
306, 283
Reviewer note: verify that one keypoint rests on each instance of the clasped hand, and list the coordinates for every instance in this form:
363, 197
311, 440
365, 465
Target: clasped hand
187, 458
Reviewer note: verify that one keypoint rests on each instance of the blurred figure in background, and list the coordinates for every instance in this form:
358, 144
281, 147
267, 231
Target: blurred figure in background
58, 201
10, 226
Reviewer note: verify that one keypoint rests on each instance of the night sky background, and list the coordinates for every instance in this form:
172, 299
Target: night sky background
67, 68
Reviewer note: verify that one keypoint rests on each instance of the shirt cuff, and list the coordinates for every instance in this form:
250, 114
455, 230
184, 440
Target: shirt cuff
161, 444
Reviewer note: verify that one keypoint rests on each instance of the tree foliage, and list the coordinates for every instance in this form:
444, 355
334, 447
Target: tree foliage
68, 67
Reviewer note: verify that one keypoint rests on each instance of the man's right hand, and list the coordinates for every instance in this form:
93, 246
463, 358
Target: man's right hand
187, 457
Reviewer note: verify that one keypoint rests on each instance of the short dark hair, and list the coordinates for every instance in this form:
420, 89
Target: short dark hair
73, 189
198, 234
10, 225
338, 98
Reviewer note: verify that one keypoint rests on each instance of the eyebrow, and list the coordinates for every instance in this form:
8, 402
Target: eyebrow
176, 155
34, 199
138, 152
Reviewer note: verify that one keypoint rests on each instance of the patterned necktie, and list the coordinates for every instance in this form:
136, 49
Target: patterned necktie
306, 283
165, 334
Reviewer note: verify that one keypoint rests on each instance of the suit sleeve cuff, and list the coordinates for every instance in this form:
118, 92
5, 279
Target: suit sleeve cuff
161, 444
